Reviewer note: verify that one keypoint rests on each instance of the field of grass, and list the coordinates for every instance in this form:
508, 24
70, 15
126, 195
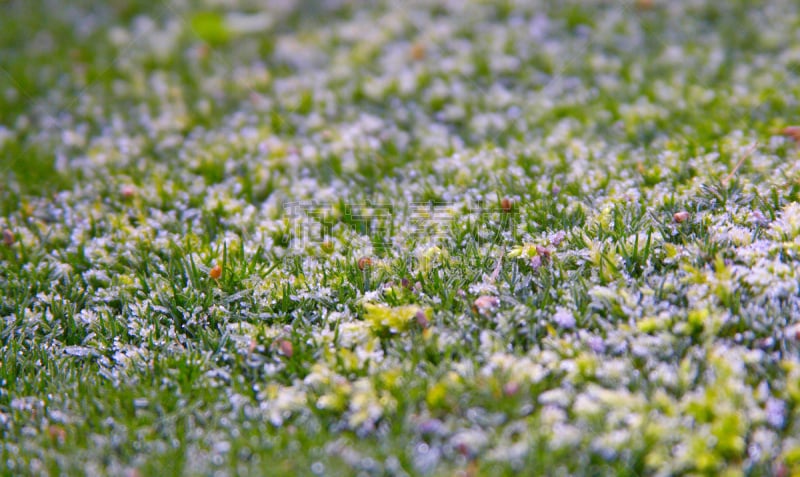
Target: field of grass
418, 237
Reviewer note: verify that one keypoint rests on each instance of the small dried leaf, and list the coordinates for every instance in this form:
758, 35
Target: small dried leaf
418, 51
8, 238
364, 262
792, 132
421, 319
681, 216
285, 347
57, 433
486, 303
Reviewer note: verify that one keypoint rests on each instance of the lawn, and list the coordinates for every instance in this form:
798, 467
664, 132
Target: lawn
417, 237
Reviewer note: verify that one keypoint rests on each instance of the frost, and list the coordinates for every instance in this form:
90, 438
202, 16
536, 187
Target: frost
79, 351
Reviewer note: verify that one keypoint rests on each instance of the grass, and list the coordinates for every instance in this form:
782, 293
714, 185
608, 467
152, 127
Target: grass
382, 238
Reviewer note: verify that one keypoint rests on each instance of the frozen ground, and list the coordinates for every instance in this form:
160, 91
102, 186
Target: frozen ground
399, 237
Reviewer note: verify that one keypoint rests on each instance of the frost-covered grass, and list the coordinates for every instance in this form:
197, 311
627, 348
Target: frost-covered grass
399, 237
